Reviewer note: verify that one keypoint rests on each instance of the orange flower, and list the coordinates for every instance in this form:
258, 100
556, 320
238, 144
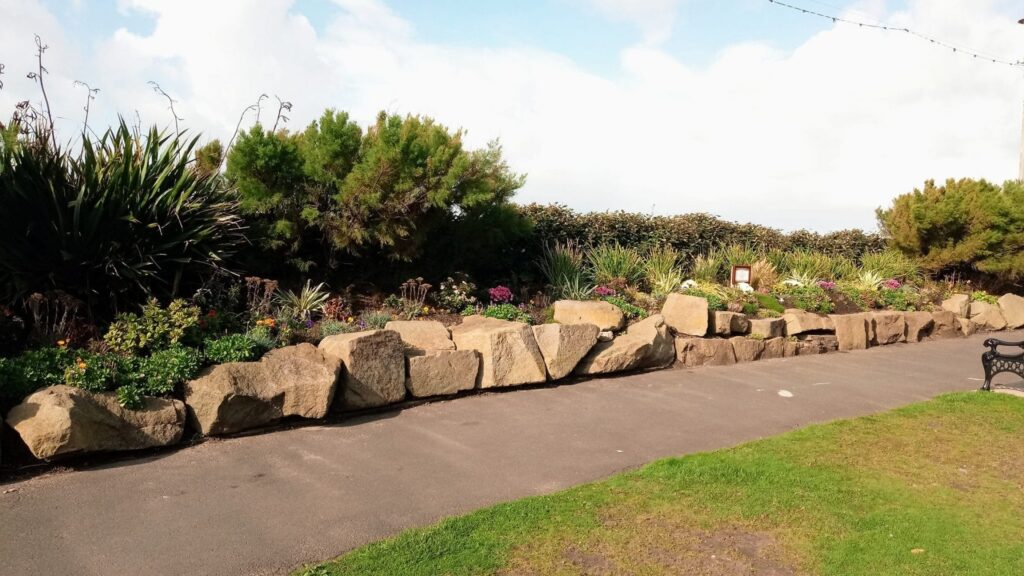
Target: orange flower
62, 343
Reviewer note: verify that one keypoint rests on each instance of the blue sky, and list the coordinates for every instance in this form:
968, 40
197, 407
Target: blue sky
738, 108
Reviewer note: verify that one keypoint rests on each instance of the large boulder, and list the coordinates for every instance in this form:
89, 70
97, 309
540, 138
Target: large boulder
966, 326
441, 372
818, 344
564, 345
686, 315
852, 330
768, 327
944, 324
959, 304
604, 315
987, 316
747, 349
509, 355
790, 348
62, 420
1012, 308
692, 352
888, 327
728, 323
374, 373
919, 325
421, 335
801, 321
236, 396
646, 344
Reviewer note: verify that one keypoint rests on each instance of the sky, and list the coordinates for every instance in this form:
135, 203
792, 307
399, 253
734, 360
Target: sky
739, 108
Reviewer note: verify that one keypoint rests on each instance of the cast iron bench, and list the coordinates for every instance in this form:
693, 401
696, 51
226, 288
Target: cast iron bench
994, 361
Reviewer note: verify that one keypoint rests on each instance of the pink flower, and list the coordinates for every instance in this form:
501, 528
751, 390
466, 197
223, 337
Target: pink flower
892, 284
826, 285
500, 295
603, 291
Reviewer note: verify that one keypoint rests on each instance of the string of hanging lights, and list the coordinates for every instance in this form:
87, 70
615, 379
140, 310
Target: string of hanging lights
935, 41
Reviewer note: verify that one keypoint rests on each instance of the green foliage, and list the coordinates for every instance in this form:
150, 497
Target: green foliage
708, 267
629, 310
867, 280
209, 158
455, 294
32, 370
92, 372
233, 348
562, 264
962, 225
263, 337
615, 265
716, 301
809, 266
898, 299
662, 271
576, 289
769, 302
334, 327
374, 319
125, 218
811, 298
130, 396
892, 264
166, 369
982, 296
156, 328
303, 304
507, 312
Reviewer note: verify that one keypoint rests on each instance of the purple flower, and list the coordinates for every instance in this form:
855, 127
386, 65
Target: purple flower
603, 291
892, 284
309, 323
826, 285
500, 295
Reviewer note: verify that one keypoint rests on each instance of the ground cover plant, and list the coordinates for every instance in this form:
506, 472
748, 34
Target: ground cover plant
931, 489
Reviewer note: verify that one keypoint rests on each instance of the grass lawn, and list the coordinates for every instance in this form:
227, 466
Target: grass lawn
936, 488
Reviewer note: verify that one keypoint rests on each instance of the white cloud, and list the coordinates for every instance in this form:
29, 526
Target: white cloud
816, 137
655, 18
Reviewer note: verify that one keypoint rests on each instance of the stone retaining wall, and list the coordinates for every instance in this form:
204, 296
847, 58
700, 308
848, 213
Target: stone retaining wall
423, 359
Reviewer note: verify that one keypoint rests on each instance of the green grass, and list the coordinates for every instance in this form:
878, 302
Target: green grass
932, 489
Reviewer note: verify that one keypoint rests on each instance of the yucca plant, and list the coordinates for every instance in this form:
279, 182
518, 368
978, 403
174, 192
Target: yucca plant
662, 271
867, 280
615, 265
125, 219
576, 289
302, 304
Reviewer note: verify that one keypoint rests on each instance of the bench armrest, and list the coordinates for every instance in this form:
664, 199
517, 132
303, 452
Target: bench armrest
994, 343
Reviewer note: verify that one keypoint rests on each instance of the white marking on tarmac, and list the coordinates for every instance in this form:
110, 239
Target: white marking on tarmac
821, 384
976, 379
785, 393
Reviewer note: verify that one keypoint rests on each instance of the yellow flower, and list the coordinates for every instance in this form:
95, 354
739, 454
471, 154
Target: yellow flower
426, 309
349, 319
81, 365
62, 343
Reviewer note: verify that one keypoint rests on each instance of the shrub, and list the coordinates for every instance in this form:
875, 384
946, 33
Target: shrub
165, 369
263, 337
630, 311
233, 348
500, 295
130, 396
769, 302
92, 372
982, 296
125, 218
707, 267
961, 226
662, 271
562, 266
374, 319
156, 328
811, 298
333, 327
507, 312
455, 294
302, 304
898, 299
893, 264
32, 370
715, 301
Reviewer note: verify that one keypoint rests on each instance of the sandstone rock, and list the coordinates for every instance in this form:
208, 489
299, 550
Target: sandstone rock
604, 315
768, 327
818, 344
564, 345
236, 396
888, 327
852, 330
62, 420
509, 354
726, 323
919, 325
686, 314
959, 304
746, 349
420, 336
692, 352
800, 322
374, 373
440, 372
987, 316
965, 326
791, 348
944, 324
645, 344
774, 348
605, 336
1012, 308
